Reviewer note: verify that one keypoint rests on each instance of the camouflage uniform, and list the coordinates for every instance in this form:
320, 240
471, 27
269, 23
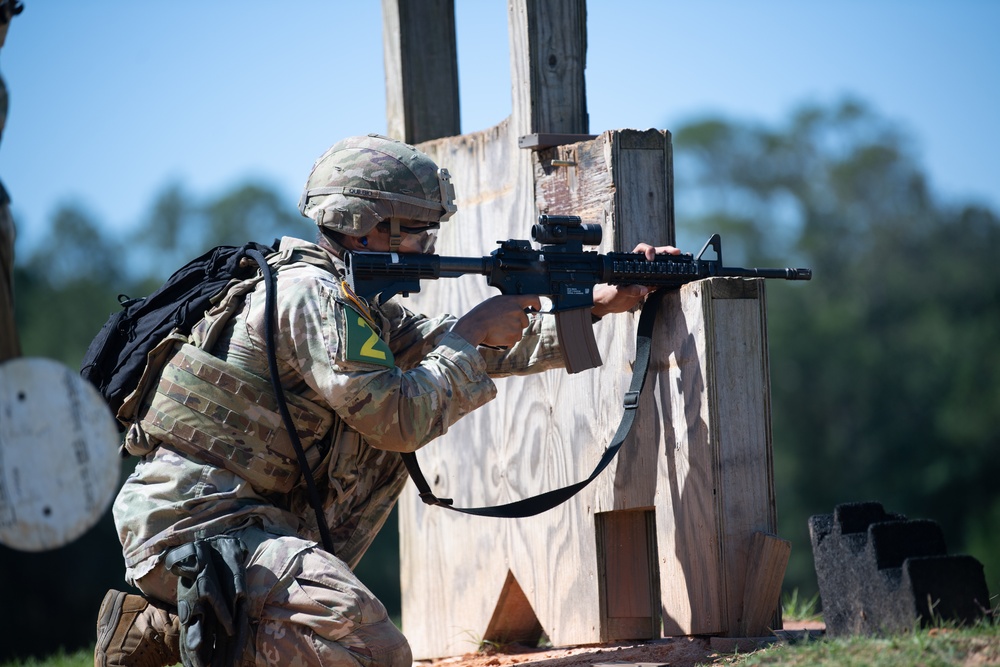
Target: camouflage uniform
390, 393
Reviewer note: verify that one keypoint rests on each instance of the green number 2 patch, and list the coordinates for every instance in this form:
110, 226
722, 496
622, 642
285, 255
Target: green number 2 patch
363, 344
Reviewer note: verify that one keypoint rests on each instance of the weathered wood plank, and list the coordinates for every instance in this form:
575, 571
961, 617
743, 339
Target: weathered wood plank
539, 141
742, 394
626, 552
421, 69
548, 52
686, 510
699, 455
453, 566
718, 465
575, 180
766, 563
644, 189
541, 432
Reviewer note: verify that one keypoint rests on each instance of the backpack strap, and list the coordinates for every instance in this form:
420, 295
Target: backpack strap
205, 333
546, 501
271, 305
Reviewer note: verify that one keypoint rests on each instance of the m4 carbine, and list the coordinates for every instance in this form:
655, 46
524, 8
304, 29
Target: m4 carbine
560, 270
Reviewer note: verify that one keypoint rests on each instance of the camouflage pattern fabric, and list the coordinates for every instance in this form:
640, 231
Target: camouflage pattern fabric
380, 409
306, 607
363, 180
226, 416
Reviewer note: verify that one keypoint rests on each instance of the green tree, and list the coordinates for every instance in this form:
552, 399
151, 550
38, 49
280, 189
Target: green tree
884, 366
253, 212
62, 288
179, 228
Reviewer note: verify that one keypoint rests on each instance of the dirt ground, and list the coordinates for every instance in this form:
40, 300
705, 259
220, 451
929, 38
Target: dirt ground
673, 651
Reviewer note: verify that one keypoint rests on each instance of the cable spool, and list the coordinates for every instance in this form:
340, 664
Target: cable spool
59, 463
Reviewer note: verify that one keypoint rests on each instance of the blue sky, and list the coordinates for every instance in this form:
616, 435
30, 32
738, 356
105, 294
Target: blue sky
111, 100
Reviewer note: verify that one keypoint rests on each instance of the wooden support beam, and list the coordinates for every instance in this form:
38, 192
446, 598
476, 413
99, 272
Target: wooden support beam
715, 479
548, 54
421, 69
10, 345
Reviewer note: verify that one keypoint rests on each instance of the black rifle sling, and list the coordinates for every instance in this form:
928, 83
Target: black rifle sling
546, 501
271, 306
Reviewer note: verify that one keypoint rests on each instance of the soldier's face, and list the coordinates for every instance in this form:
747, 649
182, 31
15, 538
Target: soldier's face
415, 239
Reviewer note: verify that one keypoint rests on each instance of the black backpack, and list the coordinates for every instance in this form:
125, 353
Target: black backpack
116, 358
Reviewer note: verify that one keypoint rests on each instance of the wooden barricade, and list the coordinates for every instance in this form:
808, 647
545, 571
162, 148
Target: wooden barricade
675, 533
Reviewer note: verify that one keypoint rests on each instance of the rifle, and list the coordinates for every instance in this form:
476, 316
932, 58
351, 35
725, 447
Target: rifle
560, 270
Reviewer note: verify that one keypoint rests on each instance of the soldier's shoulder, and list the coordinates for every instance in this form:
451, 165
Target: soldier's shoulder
297, 260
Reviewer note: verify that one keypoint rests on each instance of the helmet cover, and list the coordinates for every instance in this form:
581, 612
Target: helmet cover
362, 181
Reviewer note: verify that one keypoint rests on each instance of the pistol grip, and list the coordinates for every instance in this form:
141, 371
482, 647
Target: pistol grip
575, 329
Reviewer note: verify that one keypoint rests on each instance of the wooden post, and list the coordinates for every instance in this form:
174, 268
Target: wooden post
10, 345
715, 485
548, 55
421, 69
663, 536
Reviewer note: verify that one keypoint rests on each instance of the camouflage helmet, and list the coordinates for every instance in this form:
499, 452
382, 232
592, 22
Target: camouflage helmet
362, 181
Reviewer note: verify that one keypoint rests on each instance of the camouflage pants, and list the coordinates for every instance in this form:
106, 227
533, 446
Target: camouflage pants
306, 607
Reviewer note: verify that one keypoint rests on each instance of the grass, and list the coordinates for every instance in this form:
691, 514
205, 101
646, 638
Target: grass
976, 646
947, 646
81, 658
794, 608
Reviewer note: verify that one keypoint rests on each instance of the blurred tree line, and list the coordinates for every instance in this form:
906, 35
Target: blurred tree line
883, 369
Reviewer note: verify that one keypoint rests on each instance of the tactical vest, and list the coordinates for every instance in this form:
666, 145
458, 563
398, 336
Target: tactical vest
220, 413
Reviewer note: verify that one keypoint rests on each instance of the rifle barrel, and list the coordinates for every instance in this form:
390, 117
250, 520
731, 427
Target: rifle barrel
786, 274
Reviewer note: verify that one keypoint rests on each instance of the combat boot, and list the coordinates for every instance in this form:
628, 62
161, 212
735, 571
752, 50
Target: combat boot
135, 632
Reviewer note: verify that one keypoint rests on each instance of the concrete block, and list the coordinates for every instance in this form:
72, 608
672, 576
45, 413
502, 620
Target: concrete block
880, 573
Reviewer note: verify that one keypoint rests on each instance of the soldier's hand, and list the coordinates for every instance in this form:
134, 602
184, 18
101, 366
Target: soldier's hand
652, 251
620, 298
497, 322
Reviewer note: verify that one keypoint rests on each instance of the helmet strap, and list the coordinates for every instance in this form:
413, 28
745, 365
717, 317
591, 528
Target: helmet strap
395, 235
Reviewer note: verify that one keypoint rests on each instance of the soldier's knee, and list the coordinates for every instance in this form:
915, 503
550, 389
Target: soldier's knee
384, 644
